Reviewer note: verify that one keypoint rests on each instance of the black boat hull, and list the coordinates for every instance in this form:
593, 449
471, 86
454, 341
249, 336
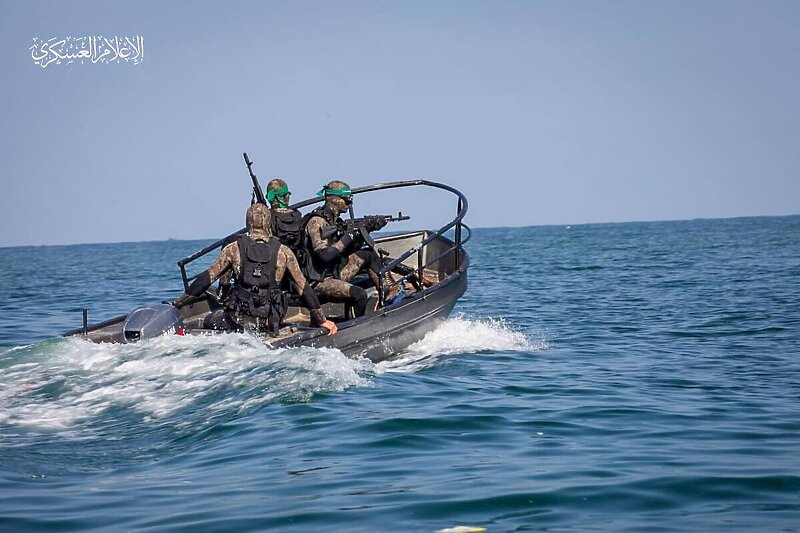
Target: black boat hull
391, 330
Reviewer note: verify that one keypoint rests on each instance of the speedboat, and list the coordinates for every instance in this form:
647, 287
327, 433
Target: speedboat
425, 273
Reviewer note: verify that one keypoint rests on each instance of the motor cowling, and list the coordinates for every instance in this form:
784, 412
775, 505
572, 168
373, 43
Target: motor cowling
150, 321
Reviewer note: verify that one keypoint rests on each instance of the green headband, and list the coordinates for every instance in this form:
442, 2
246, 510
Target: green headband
271, 194
334, 192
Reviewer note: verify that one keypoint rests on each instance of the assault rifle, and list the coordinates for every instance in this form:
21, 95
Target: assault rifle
362, 224
258, 194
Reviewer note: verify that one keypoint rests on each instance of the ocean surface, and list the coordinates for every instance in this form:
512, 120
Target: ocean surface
603, 377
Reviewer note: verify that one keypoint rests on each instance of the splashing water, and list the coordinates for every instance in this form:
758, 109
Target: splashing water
56, 384
462, 335
63, 383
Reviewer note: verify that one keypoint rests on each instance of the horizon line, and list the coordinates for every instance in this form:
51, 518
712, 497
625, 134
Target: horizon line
653, 221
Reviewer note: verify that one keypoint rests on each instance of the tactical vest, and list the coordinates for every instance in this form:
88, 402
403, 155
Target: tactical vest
313, 267
286, 226
256, 293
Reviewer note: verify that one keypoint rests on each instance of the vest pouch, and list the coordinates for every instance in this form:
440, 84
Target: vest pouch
259, 252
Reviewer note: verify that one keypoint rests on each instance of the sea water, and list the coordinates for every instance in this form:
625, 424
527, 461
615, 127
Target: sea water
604, 377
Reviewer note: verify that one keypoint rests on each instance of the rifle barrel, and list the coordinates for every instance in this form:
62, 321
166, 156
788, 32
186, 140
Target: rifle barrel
256, 187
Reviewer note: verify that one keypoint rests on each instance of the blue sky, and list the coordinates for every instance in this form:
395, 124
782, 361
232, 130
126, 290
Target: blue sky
541, 112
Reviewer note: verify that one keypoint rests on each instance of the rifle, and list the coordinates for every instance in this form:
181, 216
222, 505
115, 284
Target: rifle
360, 224
379, 255
258, 194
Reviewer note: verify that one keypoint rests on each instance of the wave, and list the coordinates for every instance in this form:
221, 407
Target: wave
460, 335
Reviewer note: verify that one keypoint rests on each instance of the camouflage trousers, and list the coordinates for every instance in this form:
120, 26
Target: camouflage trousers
341, 290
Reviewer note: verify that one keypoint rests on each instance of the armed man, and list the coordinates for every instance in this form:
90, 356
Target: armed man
333, 255
286, 222
258, 262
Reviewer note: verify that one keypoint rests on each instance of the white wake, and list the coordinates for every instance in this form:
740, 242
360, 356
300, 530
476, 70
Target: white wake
58, 383
462, 335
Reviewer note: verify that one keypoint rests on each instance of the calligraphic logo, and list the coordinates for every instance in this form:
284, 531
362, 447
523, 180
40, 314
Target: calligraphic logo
91, 49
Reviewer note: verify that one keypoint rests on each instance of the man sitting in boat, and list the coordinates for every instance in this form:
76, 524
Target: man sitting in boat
333, 257
286, 222
258, 261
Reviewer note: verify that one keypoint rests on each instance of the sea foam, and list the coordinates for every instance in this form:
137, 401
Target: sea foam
459, 335
60, 382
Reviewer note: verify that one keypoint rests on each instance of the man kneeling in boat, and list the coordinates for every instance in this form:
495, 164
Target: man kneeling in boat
333, 257
259, 262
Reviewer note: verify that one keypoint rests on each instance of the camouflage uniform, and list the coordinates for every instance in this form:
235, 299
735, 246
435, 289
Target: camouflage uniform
229, 259
337, 288
355, 263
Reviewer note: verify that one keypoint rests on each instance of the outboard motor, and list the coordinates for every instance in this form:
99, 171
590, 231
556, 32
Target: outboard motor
149, 321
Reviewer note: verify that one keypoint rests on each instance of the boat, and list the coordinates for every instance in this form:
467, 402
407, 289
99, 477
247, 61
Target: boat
424, 273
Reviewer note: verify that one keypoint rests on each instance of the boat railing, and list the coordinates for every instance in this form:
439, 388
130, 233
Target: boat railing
456, 224
419, 271
187, 279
